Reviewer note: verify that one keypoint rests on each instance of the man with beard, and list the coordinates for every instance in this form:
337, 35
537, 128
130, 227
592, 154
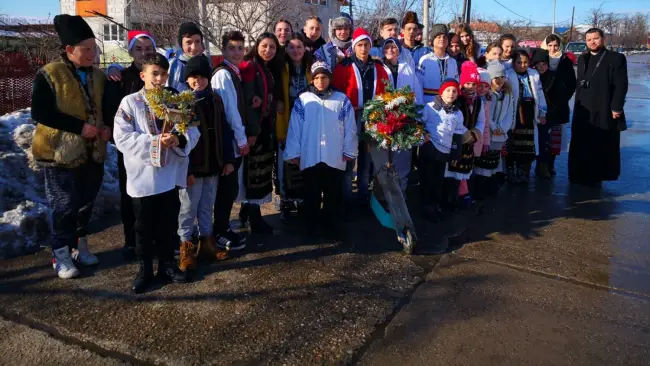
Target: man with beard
313, 31
598, 116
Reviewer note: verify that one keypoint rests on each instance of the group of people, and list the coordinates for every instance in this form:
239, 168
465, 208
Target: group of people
286, 115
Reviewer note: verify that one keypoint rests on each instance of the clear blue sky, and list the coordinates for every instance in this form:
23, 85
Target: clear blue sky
540, 10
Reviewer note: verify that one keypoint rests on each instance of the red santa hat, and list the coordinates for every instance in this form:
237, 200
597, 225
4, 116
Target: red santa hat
359, 35
133, 36
448, 83
469, 73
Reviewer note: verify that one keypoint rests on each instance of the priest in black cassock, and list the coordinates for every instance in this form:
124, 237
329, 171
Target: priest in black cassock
598, 117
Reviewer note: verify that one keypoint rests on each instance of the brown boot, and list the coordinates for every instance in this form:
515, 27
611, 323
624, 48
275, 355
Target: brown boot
188, 257
208, 250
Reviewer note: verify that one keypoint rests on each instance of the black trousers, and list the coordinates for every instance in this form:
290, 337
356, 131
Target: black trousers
322, 180
71, 193
431, 166
227, 191
126, 205
156, 220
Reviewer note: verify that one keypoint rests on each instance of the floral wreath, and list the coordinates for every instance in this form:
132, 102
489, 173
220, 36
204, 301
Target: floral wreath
175, 108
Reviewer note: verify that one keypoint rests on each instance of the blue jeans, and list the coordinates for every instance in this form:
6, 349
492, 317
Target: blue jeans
197, 202
363, 175
71, 193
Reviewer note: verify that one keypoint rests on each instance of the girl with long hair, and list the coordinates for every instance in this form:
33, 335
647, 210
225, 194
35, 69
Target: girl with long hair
256, 173
469, 46
296, 76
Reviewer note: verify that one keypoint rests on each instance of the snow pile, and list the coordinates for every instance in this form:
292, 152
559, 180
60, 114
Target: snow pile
24, 214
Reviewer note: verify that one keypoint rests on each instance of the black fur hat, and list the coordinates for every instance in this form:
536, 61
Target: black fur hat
72, 29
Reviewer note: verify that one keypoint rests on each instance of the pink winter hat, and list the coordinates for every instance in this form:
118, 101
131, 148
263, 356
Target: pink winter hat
469, 73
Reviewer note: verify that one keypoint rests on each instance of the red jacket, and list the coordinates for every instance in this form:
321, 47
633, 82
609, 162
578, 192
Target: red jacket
347, 79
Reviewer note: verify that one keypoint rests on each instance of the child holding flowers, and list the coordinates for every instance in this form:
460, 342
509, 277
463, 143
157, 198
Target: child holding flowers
155, 157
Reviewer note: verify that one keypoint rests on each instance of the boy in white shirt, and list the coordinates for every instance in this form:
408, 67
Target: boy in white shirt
156, 163
445, 128
322, 138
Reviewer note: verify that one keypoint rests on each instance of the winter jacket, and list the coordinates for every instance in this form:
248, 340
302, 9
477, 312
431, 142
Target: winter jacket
282, 119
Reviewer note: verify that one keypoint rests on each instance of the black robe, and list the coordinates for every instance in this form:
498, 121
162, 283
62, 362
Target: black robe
594, 155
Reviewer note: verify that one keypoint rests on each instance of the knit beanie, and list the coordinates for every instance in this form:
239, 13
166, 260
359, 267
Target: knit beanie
448, 83
320, 67
539, 55
496, 69
392, 40
359, 35
190, 29
485, 76
197, 66
339, 20
437, 30
72, 29
469, 73
134, 35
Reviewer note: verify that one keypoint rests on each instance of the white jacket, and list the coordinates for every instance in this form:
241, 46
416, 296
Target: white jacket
322, 131
150, 170
502, 116
538, 94
431, 76
406, 75
442, 126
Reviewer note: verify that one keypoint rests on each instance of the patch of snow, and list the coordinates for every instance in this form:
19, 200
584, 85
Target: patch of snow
25, 221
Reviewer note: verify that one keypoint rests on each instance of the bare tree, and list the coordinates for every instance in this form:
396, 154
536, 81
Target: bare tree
216, 17
595, 16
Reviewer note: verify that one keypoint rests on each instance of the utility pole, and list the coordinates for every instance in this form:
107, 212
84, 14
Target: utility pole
462, 15
425, 13
554, 3
202, 23
350, 7
571, 29
469, 11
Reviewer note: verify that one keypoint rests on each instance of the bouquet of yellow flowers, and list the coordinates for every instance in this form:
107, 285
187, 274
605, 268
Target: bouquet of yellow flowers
394, 120
176, 109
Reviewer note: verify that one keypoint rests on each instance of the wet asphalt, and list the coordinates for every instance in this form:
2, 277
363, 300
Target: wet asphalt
544, 274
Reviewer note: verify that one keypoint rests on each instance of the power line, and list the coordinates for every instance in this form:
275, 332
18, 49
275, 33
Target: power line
526, 18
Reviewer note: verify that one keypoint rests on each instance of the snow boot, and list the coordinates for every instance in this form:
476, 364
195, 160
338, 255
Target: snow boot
144, 277
208, 250
187, 256
258, 224
168, 272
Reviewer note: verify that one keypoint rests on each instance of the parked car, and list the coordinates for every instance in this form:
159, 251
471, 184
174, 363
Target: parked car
575, 49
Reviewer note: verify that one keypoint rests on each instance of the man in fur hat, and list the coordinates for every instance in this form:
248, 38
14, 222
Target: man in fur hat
410, 30
340, 44
70, 140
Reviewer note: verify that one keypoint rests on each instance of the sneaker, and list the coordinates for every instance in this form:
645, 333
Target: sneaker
63, 265
82, 255
230, 240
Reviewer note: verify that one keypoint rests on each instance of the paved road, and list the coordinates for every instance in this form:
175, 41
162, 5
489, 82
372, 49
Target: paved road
551, 274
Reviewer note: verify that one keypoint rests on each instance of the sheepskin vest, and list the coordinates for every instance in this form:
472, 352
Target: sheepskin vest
53, 147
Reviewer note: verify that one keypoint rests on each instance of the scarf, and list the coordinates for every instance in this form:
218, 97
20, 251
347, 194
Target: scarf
438, 104
555, 62
183, 57
200, 94
524, 83
342, 45
321, 94
469, 97
363, 66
